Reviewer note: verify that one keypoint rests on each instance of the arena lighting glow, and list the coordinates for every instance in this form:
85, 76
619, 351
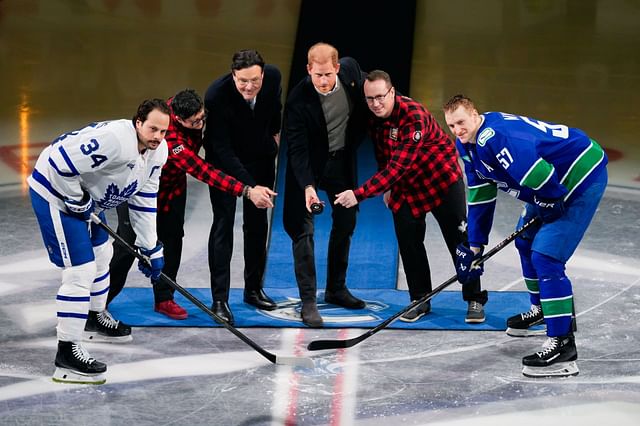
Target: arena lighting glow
24, 114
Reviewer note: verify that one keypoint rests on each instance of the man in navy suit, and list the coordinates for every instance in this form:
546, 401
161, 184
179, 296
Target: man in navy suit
241, 138
323, 125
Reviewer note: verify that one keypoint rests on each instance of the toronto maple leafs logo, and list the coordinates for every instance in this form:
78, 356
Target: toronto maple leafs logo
114, 197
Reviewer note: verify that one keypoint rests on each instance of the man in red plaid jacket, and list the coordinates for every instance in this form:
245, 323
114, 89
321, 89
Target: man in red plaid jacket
418, 172
184, 140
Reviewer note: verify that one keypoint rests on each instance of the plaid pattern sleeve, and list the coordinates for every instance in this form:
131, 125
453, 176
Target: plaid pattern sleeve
416, 159
183, 158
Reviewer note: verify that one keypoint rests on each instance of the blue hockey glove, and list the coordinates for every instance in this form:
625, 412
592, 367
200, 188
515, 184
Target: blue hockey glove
465, 268
80, 209
549, 210
154, 267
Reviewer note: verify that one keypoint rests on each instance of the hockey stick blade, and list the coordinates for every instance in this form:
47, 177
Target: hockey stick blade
294, 361
318, 345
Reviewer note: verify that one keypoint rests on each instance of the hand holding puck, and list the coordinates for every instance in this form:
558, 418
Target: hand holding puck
317, 208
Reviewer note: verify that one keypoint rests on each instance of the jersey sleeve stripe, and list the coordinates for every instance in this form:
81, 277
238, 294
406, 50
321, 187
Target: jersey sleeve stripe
44, 182
66, 158
537, 175
57, 169
585, 163
482, 194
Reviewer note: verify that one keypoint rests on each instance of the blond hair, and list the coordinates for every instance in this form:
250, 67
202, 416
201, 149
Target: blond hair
458, 100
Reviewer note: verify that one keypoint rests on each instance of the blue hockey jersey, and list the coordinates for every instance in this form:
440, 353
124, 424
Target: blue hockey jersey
524, 157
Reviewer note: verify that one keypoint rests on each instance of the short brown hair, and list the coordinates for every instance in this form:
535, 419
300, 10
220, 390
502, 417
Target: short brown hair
456, 101
376, 75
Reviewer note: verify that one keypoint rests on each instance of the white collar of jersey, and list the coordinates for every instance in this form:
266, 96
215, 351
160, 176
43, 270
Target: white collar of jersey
481, 123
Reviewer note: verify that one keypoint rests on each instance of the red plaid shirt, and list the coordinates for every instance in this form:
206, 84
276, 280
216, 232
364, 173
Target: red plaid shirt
184, 145
416, 159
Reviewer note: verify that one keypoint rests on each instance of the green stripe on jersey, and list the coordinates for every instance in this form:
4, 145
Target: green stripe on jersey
557, 307
537, 175
481, 194
582, 166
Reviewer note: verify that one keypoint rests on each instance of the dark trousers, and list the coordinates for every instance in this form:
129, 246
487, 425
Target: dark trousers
411, 231
255, 227
170, 229
334, 181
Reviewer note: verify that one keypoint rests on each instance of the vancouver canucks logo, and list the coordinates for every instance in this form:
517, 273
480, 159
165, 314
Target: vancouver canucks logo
114, 197
485, 135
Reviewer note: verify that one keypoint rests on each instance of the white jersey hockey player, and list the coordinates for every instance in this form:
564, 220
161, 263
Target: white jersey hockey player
88, 171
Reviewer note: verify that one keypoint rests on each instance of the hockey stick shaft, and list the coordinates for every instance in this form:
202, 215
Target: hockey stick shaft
317, 345
300, 361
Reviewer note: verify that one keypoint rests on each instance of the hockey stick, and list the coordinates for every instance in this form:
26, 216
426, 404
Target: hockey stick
318, 345
284, 360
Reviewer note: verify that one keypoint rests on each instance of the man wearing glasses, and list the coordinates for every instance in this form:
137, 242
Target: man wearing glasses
184, 140
418, 173
323, 124
241, 139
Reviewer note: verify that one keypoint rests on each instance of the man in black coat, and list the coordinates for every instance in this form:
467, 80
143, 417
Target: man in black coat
241, 138
323, 125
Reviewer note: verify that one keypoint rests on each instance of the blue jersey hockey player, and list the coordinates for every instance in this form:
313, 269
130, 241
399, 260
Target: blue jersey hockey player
560, 173
97, 167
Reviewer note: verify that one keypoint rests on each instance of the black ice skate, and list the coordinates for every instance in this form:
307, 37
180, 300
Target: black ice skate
75, 365
556, 359
519, 325
101, 327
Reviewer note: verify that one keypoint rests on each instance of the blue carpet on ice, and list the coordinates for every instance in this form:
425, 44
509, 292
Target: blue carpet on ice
134, 306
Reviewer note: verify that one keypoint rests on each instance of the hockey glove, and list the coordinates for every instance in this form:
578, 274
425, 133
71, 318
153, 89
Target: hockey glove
549, 210
153, 267
465, 268
80, 209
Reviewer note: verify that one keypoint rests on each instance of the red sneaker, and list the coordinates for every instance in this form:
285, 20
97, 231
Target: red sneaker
171, 309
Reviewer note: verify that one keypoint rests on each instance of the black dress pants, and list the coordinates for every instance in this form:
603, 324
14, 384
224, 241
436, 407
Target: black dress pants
170, 229
343, 224
411, 231
255, 227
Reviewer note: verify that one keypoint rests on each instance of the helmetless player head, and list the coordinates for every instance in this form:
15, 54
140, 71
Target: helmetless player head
151, 122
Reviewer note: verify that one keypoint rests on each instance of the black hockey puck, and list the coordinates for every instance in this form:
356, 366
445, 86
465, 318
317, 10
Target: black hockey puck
316, 208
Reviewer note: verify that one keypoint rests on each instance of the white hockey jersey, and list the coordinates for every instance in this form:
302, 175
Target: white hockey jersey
102, 159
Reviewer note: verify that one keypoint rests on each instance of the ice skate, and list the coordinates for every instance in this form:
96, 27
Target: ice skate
556, 359
101, 327
520, 325
75, 365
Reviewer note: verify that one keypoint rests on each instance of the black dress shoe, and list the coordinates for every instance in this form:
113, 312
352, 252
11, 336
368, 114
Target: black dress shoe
343, 298
222, 310
259, 299
310, 315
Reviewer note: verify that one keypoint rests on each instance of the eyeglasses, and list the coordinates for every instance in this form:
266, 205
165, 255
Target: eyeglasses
242, 82
198, 121
379, 98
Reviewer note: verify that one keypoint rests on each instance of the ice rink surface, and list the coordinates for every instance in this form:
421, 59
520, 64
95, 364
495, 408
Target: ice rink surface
209, 376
